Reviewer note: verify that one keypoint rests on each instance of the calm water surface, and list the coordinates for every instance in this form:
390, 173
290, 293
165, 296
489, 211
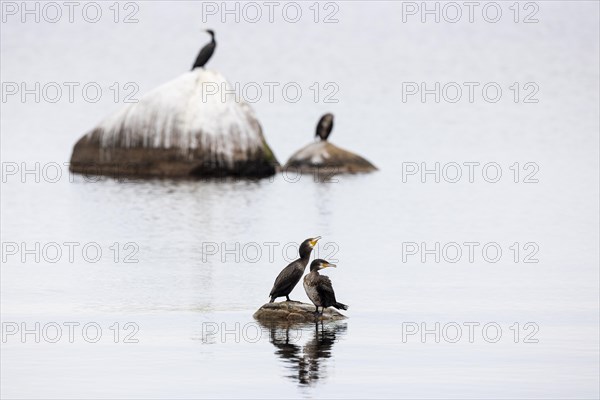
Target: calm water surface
194, 304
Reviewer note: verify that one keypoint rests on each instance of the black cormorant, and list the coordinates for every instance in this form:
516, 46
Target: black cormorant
318, 287
206, 52
290, 275
324, 126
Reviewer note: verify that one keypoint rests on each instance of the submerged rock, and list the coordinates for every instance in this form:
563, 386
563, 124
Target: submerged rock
293, 311
184, 128
325, 157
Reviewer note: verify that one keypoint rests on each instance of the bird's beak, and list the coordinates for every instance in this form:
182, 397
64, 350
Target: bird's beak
329, 265
313, 242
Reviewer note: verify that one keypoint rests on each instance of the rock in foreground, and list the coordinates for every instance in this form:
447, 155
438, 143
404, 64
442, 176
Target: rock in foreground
294, 311
325, 157
188, 127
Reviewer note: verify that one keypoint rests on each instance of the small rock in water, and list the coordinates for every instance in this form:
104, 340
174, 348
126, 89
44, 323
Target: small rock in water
324, 157
294, 311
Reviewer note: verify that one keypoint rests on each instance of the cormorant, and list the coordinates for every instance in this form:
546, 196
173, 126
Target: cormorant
318, 287
324, 126
290, 275
206, 52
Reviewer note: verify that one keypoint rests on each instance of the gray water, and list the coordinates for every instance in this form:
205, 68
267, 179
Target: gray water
185, 284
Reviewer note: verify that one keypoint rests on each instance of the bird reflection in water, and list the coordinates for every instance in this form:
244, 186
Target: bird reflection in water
307, 361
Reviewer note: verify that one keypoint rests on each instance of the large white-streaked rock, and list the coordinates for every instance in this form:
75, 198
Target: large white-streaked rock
185, 127
325, 157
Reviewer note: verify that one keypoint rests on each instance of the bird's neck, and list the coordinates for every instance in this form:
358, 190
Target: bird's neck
304, 259
305, 254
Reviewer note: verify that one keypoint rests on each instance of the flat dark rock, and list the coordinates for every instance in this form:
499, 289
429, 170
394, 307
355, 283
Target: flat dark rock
294, 311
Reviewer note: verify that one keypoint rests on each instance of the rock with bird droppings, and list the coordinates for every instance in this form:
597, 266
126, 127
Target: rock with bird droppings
294, 311
324, 157
192, 126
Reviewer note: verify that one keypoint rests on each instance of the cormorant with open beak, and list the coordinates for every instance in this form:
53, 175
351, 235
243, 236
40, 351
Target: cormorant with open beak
319, 289
206, 52
324, 126
290, 275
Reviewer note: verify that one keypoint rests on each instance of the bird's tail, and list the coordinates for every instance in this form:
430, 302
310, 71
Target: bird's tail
340, 306
272, 299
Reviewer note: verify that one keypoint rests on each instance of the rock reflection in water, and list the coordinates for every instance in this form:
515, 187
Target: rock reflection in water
305, 348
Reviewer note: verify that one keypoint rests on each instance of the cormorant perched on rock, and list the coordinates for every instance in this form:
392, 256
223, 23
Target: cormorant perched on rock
290, 275
206, 52
318, 287
324, 126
